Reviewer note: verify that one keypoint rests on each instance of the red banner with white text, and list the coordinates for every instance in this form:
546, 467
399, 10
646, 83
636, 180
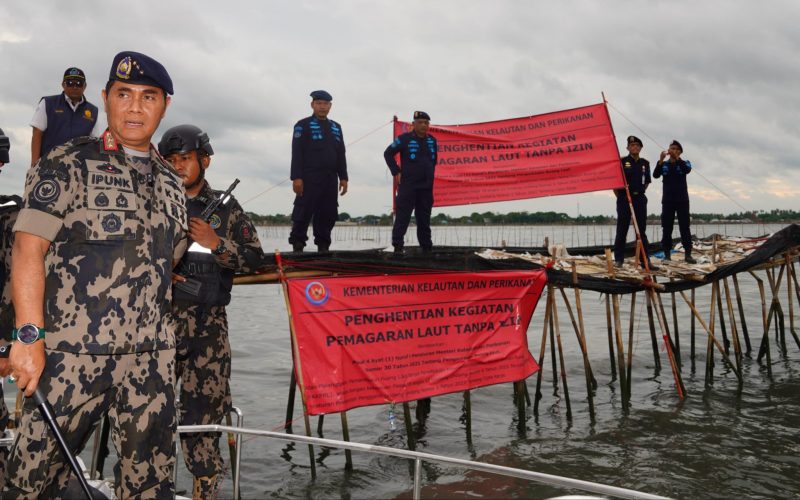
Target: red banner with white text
563, 152
371, 340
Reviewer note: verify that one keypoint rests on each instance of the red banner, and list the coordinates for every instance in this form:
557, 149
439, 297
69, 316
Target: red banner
371, 340
564, 152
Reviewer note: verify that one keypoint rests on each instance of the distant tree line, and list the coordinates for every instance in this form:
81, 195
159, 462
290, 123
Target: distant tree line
532, 218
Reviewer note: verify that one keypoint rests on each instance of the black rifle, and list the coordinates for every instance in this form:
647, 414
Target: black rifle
193, 286
47, 413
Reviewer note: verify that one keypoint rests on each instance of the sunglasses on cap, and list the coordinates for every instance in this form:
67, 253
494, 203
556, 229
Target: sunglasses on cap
74, 83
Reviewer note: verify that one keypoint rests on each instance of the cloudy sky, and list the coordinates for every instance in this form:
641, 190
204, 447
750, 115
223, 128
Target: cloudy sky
719, 76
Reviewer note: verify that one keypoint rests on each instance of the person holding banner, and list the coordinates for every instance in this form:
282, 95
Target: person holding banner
318, 160
637, 177
226, 243
675, 199
414, 180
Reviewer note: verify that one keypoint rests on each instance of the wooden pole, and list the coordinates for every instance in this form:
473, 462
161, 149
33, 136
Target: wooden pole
725, 341
788, 266
348, 457
561, 358
692, 334
712, 340
610, 339
765, 335
737, 350
468, 414
742, 319
623, 379
653, 340
631, 324
675, 330
412, 445
670, 354
587, 368
579, 308
297, 365
538, 395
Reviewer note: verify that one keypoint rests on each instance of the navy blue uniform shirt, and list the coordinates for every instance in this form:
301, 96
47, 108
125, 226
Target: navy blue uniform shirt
318, 150
674, 174
637, 175
418, 157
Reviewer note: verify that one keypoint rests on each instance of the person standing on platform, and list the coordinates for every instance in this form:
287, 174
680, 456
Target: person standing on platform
675, 199
637, 178
59, 118
226, 244
318, 161
101, 225
414, 179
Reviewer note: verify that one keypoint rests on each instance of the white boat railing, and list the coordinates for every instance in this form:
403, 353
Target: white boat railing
418, 458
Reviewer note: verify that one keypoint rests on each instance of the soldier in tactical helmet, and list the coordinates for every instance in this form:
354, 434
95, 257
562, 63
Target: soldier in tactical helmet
227, 243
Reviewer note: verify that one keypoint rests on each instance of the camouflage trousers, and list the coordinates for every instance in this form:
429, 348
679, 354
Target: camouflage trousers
204, 369
137, 393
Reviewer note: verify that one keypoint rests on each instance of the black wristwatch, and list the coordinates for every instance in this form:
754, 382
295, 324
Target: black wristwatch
220, 248
27, 333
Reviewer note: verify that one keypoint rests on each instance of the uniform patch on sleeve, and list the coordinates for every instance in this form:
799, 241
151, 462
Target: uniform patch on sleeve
46, 190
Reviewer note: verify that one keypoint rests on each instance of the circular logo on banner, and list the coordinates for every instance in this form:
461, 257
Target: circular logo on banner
316, 293
46, 191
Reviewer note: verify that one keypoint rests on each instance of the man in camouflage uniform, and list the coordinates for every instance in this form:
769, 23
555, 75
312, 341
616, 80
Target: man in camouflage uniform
204, 278
9, 208
102, 222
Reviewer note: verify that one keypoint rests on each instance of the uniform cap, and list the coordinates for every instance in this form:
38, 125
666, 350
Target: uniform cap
321, 95
632, 139
74, 73
133, 67
676, 143
421, 115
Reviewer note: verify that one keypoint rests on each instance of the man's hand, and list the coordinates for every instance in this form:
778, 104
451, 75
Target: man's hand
27, 364
201, 232
175, 279
297, 187
663, 155
342, 187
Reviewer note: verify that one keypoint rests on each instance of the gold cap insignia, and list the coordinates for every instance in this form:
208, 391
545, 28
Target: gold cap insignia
124, 68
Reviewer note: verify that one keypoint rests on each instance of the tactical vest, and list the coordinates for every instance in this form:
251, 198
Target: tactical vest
64, 124
208, 282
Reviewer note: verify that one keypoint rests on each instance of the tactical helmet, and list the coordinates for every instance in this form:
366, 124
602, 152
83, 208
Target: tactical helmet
184, 138
5, 145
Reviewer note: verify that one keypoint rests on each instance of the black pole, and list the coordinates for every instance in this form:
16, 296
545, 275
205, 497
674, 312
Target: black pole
47, 413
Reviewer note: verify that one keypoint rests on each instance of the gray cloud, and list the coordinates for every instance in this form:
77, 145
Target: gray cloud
719, 76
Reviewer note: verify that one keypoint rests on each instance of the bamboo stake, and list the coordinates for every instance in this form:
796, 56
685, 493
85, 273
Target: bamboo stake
692, 334
765, 335
553, 350
653, 340
468, 414
412, 445
287, 425
297, 366
712, 339
623, 384
670, 354
741, 315
348, 457
789, 295
561, 357
665, 328
610, 339
320, 420
538, 395
587, 368
519, 398
580, 319
737, 350
725, 340
676, 332
631, 322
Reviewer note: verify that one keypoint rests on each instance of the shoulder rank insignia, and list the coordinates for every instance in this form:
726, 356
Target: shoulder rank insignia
109, 143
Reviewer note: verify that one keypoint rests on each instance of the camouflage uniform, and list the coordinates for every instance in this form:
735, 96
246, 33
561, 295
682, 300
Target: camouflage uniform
203, 352
8, 215
110, 345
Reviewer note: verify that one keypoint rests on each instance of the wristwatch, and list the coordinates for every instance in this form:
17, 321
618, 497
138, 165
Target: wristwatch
220, 248
27, 333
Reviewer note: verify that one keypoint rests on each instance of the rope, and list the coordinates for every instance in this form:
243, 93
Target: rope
723, 193
285, 180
